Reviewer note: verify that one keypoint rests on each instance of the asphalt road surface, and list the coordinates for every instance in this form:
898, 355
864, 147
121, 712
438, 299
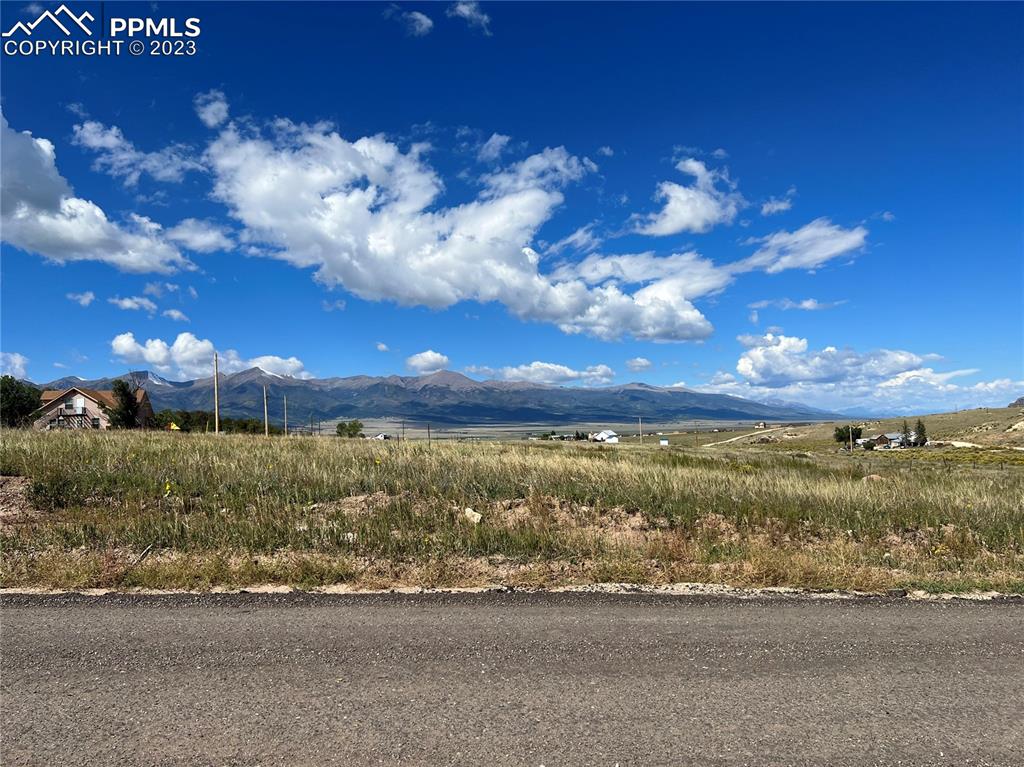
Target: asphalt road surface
509, 679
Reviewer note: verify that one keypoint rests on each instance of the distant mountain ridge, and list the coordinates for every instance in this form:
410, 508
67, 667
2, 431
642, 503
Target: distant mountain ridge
446, 397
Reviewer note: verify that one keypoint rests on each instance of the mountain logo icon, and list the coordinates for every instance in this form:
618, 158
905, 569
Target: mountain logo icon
62, 17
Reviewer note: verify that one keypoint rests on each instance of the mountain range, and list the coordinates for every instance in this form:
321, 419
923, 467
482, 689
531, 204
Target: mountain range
446, 397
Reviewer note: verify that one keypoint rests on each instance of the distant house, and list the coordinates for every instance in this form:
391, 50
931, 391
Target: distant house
760, 425
893, 439
381, 436
607, 436
78, 408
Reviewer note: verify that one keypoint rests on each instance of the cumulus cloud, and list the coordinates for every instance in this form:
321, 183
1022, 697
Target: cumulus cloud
776, 360
119, 157
133, 303
779, 367
416, 24
807, 304
82, 299
710, 200
774, 205
809, 247
382, 347
176, 315
364, 216
606, 151
191, 357
470, 12
426, 362
200, 236
491, 149
638, 363
553, 373
211, 107
41, 215
13, 364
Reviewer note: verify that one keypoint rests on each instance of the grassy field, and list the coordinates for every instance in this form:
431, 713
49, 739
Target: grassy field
197, 511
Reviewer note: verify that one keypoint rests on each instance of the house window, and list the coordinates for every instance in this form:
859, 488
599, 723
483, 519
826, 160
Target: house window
95, 423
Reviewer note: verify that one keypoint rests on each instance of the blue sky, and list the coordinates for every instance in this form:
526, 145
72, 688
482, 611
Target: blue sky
820, 203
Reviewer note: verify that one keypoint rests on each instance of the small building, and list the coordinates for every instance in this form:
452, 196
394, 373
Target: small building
381, 436
78, 408
893, 439
607, 436
760, 425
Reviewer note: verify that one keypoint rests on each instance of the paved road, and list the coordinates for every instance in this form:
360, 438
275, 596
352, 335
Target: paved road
509, 679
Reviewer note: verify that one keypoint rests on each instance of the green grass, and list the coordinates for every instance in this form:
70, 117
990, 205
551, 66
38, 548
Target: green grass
198, 511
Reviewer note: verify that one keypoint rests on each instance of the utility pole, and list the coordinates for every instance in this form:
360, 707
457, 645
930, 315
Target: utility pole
851, 438
286, 415
216, 395
266, 419
428, 434
403, 431
641, 419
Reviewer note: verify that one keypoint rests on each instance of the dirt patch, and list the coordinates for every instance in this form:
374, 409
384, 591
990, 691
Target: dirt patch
14, 503
619, 524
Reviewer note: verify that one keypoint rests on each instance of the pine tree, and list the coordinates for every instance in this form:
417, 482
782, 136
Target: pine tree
922, 435
905, 432
125, 412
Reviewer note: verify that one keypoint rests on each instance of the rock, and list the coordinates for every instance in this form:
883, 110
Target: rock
896, 593
473, 516
872, 478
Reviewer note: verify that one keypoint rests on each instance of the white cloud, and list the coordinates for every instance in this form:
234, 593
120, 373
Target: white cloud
888, 216
470, 12
192, 292
120, 158
776, 360
606, 151
200, 236
710, 200
777, 367
82, 299
382, 347
156, 289
337, 305
491, 149
583, 240
191, 357
638, 363
211, 107
13, 364
40, 215
808, 247
416, 24
553, 373
754, 317
426, 362
807, 304
364, 215
176, 315
775, 205
720, 154
133, 303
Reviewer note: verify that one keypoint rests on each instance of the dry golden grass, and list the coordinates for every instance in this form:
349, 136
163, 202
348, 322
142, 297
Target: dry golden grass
199, 511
